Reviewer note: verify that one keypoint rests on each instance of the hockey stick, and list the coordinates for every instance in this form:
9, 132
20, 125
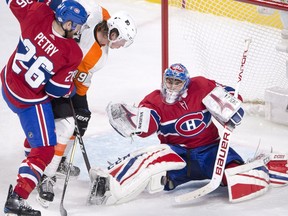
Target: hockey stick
63, 211
79, 137
223, 149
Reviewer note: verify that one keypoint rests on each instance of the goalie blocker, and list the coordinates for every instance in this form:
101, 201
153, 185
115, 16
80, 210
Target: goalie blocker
224, 107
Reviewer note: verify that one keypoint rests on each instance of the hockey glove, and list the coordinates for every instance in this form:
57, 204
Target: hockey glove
224, 106
128, 120
83, 116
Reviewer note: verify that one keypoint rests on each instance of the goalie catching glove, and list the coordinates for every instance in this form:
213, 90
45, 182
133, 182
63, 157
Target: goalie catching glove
128, 120
224, 106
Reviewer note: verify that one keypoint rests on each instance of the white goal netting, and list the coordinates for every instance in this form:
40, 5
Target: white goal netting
208, 37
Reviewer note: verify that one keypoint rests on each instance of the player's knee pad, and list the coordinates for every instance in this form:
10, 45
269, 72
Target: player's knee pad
142, 169
64, 129
248, 181
278, 169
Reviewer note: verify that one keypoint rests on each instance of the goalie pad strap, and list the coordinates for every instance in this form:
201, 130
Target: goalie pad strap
155, 184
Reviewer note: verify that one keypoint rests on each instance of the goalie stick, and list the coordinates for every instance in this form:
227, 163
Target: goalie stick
223, 148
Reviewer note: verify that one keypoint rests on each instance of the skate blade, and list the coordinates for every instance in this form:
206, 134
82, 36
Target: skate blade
8, 214
42, 202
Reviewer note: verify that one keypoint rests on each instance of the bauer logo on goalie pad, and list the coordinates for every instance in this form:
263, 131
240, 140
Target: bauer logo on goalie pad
221, 104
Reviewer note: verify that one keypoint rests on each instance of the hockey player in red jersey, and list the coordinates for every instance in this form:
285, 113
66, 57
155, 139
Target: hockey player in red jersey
41, 68
181, 116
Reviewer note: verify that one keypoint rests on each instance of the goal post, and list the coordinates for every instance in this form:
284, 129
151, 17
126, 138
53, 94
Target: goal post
278, 5
208, 36
165, 35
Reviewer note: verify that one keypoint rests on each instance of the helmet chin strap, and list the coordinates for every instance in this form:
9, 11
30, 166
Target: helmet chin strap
110, 43
65, 31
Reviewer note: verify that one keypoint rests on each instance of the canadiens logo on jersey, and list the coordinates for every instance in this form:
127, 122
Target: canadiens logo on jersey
192, 124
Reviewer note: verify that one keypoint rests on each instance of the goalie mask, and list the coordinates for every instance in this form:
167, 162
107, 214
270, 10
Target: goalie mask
175, 83
124, 25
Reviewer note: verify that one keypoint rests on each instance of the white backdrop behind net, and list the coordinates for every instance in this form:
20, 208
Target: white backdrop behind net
213, 45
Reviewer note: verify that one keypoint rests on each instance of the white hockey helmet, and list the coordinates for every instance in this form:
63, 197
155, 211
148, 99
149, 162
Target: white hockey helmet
125, 25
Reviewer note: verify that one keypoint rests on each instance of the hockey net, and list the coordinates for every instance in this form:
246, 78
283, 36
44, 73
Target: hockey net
208, 37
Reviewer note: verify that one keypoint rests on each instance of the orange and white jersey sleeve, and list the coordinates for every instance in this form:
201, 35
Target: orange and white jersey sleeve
94, 56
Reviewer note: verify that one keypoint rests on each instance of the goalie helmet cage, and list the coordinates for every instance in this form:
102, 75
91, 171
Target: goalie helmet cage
207, 36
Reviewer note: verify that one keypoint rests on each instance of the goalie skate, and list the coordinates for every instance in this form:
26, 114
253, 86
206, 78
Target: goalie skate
99, 191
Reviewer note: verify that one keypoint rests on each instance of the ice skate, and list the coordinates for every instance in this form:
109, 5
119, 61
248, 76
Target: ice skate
16, 205
45, 190
63, 169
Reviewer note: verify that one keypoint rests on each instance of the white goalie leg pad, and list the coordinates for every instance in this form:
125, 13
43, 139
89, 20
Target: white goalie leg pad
132, 174
248, 181
221, 104
128, 120
278, 169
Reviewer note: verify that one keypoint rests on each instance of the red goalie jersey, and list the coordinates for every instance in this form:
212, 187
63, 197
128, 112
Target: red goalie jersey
43, 64
187, 122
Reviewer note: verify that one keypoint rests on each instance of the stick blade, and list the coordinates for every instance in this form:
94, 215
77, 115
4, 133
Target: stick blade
196, 193
63, 211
